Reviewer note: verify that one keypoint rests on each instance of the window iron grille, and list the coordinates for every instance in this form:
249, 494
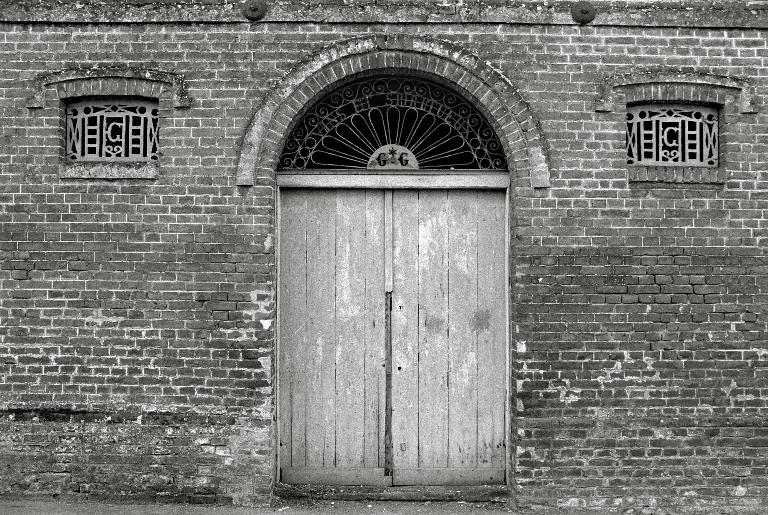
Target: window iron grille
124, 130
672, 135
393, 123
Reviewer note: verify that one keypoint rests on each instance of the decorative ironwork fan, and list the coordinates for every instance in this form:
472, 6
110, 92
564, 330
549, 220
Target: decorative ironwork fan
393, 123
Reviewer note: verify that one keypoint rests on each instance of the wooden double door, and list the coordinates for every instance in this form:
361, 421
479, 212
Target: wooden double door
392, 355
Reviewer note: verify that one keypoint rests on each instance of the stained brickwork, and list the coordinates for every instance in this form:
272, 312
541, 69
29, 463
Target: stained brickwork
137, 316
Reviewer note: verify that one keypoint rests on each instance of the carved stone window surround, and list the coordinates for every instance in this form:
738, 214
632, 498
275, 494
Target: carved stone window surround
733, 97
672, 135
112, 129
53, 91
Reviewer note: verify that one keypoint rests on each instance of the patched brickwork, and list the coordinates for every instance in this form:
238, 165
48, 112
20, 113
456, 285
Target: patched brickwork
135, 455
137, 316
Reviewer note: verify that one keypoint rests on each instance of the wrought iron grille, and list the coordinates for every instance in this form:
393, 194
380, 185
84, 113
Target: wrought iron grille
672, 135
112, 130
393, 123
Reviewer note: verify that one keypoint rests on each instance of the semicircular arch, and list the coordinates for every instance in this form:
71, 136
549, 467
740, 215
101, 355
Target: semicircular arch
492, 93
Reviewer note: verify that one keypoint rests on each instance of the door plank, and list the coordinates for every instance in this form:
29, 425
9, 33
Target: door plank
320, 354
388, 240
448, 476
492, 339
292, 305
335, 476
350, 327
433, 329
462, 334
405, 327
374, 387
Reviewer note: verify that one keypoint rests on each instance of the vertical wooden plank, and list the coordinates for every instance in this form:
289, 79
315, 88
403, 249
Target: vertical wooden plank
463, 321
388, 240
405, 327
491, 328
350, 327
293, 303
433, 328
388, 286
320, 352
374, 389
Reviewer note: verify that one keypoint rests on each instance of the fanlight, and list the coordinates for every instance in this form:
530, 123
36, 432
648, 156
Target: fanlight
393, 124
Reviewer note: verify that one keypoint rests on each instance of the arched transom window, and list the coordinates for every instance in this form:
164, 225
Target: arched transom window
393, 123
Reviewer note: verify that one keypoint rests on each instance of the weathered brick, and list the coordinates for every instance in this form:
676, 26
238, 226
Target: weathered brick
135, 313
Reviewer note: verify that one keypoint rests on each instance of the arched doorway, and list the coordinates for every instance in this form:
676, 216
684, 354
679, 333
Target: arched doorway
392, 302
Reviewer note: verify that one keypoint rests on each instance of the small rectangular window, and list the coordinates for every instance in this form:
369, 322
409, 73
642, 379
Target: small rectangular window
112, 130
672, 135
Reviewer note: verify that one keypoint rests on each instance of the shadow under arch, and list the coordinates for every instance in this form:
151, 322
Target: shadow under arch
496, 97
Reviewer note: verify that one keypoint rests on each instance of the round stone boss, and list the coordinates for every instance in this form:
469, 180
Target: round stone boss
583, 12
254, 10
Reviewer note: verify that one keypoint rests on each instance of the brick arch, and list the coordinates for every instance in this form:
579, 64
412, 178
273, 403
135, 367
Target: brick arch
500, 101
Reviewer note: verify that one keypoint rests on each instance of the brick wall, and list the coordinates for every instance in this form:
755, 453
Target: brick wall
134, 352
136, 316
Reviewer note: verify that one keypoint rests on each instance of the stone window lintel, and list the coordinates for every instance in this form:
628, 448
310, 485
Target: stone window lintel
170, 88
676, 86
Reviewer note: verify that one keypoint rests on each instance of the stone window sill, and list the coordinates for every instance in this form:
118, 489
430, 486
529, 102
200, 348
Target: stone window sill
106, 170
677, 174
